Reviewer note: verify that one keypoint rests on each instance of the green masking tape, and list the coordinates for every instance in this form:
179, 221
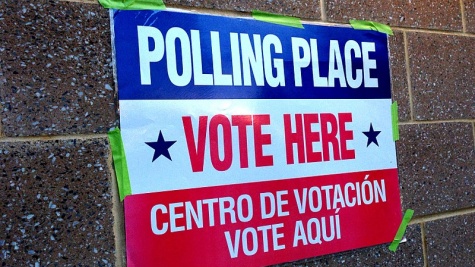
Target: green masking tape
120, 163
395, 120
370, 25
277, 19
133, 4
402, 229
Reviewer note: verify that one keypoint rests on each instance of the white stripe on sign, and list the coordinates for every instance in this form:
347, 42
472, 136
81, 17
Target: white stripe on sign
179, 144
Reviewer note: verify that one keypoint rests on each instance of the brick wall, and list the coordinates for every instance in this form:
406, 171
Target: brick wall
59, 204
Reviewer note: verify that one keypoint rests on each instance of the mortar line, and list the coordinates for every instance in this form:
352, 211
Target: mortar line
2, 135
1, 124
323, 10
202, 10
319, 22
443, 215
82, 1
408, 74
431, 31
434, 31
464, 18
118, 215
473, 128
187, 8
52, 138
424, 244
436, 122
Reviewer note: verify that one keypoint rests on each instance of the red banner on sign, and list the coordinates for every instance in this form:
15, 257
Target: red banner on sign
262, 223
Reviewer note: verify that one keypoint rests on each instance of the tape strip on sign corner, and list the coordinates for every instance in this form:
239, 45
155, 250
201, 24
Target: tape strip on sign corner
395, 120
277, 19
133, 4
120, 163
370, 25
402, 229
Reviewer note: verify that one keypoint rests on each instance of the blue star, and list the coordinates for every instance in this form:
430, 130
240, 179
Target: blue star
161, 147
372, 134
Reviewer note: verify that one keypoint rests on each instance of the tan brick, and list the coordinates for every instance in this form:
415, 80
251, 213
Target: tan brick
470, 15
56, 204
442, 76
56, 68
451, 241
439, 14
436, 169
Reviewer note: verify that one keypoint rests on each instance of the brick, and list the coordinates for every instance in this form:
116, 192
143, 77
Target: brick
442, 77
56, 203
408, 254
309, 9
470, 15
439, 14
436, 169
56, 68
399, 75
451, 241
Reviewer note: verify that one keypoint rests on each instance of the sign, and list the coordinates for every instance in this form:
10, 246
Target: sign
249, 143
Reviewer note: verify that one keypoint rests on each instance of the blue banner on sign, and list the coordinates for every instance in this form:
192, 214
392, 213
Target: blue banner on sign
169, 55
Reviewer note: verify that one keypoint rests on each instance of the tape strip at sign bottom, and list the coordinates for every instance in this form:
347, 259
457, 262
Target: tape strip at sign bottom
401, 230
